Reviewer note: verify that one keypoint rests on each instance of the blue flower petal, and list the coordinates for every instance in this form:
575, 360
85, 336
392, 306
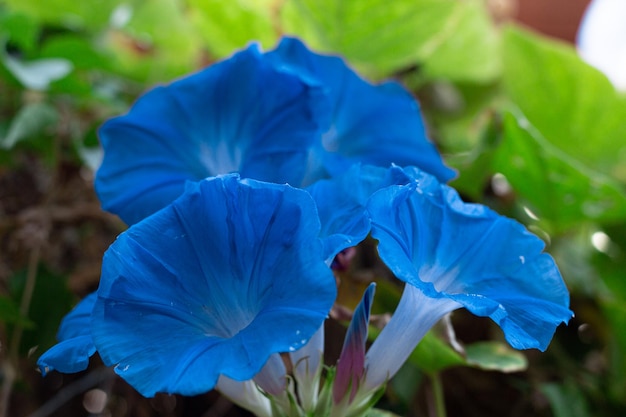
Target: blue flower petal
240, 115
75, 345
414, 316
372, 124
465, 252
342, 200
229, 274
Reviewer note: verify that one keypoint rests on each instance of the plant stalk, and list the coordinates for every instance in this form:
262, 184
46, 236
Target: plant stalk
438, 395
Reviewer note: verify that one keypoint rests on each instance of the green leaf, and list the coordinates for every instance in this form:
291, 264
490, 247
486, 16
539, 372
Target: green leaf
464, 127
70, 13
557, 187
31, 120
10, 313
495, 356
157, 44
573, 106
567, 400
472, 50
433, 355
226, 26
403, 386
380, 37
51, 300
20, 29
77, 49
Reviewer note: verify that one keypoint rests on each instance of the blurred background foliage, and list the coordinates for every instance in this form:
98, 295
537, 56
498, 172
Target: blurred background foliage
532, 130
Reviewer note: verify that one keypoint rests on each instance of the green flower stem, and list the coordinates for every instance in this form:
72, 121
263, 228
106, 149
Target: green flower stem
438, 396
11, 363
27, 295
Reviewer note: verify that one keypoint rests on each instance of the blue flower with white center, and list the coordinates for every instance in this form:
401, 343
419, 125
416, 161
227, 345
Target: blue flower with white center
240, 115
286, 116
371, 124
215, 284
451, 255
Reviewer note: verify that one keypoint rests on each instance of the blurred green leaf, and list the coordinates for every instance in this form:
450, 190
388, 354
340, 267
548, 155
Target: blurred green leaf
377, 36
472, 50
227, 26
387, 297
20, 30
77, 49
495, 356
466, 129
31, 120
567, 400
156, 44
403, 386
557, 186
91, 14
51, 300
380, 37
573, 106
433, 355
10, 313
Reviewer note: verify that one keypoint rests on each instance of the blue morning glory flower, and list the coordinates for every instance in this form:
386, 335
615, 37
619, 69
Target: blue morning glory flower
287, 116
371, 124
75, 345
342, 204
216, 284
240, 115
452, 254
